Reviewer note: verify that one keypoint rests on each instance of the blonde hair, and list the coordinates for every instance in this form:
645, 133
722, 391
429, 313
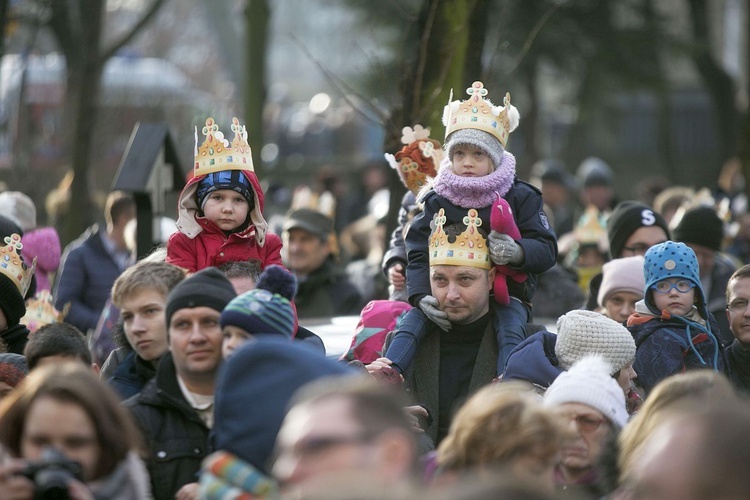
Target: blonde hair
673, 395
499, 424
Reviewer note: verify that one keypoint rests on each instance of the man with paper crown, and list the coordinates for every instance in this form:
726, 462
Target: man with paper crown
15, 278
449, 365
221, 208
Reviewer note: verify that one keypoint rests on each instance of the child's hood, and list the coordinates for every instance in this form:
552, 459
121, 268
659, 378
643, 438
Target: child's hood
187, 208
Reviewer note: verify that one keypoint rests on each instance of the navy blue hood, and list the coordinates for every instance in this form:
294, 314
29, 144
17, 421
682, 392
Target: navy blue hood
534, 360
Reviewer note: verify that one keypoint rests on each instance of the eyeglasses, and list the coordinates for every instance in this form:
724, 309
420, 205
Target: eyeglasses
586, 423
682, 286
638, 248
738, 305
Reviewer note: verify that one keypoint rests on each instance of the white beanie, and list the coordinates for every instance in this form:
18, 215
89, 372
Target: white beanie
480, 140
581, 333
19, 208
622, 275
589, 382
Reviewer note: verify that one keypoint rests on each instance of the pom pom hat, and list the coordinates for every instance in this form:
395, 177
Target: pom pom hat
267, 309
581, 333
672, 260
589, 382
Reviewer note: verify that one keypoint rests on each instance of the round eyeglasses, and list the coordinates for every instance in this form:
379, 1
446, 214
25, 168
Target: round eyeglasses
665, 286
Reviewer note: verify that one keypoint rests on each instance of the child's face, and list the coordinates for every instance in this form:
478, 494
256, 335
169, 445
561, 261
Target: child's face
469, 161
226, 208
234, 337
676, 302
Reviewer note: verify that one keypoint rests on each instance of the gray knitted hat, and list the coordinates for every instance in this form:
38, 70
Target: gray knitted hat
582, 333
478, 139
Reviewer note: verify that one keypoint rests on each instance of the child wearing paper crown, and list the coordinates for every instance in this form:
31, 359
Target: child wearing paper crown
672, 327
221, 207
478, 173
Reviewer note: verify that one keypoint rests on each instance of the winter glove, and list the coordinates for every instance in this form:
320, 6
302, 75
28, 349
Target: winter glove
504, 250
429, 306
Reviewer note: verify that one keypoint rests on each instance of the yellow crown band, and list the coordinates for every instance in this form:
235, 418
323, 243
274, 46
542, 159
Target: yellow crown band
467, 249
216, 153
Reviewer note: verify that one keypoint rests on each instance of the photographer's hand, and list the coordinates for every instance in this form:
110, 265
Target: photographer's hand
79, 491
14, 486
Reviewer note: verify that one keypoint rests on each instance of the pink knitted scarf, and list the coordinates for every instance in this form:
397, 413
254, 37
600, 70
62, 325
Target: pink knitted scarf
475, 192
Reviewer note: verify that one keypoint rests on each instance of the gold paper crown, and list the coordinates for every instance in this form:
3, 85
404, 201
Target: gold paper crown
41, 311
413, 170
467, 249
12, 266
479, 113
216, 153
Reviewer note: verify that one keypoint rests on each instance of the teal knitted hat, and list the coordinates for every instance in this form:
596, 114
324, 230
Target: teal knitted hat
268, 308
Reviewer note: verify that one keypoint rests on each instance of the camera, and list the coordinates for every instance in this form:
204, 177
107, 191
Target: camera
52, 474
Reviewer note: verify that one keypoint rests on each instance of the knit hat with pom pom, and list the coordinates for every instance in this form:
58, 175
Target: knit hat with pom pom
267, 309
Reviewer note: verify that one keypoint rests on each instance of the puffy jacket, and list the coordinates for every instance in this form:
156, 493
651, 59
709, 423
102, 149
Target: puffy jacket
327, 292
199, 243
131, 375
177, 438
534, 360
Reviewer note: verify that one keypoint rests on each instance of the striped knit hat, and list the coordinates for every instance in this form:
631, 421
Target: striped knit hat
268, 308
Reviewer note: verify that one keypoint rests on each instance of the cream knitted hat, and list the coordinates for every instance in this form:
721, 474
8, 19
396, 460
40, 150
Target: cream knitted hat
588, 382
581, 333
622, 275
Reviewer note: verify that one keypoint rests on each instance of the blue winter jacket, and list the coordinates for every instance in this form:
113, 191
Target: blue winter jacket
534, 360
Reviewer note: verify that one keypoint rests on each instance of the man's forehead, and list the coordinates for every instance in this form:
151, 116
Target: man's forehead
198, 312
456, 270
739, 287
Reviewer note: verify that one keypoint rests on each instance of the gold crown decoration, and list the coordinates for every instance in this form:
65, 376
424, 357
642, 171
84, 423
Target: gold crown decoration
40, 311
591, 229
418, 159
12, 265
467, 249
479, 113
216, 153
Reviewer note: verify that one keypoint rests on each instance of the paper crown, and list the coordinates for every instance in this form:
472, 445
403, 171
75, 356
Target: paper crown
418, 159
216, 153
479, 113
12, 266
591, 229
40, 311
467, 249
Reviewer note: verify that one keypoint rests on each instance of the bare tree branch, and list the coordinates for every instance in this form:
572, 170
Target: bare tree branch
134, 30
533, 34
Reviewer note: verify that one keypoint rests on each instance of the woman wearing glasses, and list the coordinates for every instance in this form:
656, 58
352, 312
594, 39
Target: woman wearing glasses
592, 404
672, 327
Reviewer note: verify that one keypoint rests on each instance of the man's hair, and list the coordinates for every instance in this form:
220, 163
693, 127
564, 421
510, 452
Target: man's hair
241, 269
743, 272
57, 339
375, 407
118, 204
158, 276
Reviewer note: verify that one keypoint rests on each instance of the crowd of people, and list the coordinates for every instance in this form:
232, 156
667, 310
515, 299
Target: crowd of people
190, 374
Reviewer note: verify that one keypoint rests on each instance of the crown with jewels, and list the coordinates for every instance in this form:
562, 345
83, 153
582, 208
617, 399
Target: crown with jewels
216, 153
467, 249
12, 265
479, 113
418, 159
41, 311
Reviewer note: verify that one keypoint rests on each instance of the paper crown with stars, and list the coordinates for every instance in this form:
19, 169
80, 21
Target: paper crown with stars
40, 311
418, 160
216, 153
469, 248
12, 265
479, 113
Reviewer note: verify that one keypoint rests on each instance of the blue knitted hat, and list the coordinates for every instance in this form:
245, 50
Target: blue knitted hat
224, 179
671, 260
268, 308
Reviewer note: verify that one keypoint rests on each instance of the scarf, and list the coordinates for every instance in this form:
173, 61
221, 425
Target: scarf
226, 476
475, 192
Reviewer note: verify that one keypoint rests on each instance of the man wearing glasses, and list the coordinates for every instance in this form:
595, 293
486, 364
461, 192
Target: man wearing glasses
738, 314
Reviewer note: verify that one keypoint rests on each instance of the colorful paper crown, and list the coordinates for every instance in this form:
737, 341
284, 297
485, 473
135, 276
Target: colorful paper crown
591, 229
418, 159
41, 311
467, 249
216, 153
12, 266
479, 113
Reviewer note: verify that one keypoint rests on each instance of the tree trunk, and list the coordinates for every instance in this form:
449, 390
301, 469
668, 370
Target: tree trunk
258, 15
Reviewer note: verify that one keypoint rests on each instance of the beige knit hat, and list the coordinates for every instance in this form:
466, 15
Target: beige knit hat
582, 333
622, 275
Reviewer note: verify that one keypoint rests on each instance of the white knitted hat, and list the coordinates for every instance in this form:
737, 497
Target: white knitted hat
622, 275
589, 382
581, 333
